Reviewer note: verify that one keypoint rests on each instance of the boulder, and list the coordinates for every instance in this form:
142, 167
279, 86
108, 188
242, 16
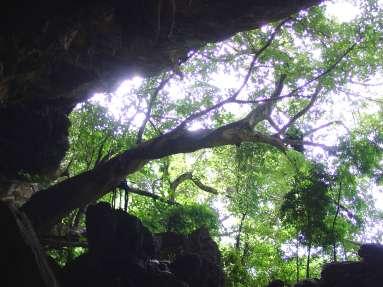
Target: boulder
276, 283
366, 272
308, 283
123, 252
196, 258
372, 254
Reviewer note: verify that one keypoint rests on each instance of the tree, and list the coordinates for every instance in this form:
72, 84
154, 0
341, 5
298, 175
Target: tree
273, 54
306, 207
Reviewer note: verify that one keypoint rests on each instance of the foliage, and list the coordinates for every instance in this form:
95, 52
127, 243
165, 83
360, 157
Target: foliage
362, 149
185, 219
181, 219
307, 205
94, 137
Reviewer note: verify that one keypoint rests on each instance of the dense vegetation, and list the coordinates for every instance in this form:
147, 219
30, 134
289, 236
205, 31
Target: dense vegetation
297, 192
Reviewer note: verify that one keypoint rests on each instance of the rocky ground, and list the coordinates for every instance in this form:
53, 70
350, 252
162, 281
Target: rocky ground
124, 253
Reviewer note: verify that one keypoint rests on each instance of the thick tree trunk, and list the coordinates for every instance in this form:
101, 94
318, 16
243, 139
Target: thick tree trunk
46, 207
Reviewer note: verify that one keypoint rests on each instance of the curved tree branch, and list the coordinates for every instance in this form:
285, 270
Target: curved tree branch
308, 143
322, 127
204, 187
180, 179
46, 207
189, 176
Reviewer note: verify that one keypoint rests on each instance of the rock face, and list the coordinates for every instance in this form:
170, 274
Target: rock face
308, 283
367, 272
22, 261
122, 252
364, 273
197, 259
276, 283
34, 138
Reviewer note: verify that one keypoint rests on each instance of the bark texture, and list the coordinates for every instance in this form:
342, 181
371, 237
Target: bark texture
46, 207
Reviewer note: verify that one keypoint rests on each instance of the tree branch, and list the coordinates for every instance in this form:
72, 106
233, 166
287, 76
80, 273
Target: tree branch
302, 111
233, 97
150, 194
325, 72
61, 242
263, 100
189, 176
46, 207
263, 111
180, 179
299, 142
152, 100
274, 125
204, 187
322, 127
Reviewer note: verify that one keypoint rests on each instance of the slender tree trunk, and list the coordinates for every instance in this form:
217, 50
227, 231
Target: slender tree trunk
121, 198
126, 201
334, 222
114, 195
245, 252
297, 260
238, 240
308, 260
77, 219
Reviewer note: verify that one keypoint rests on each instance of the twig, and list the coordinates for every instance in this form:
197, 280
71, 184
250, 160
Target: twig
151, 195
159, 132
367, 84
273, 124
322, 127
242, 102
299, 142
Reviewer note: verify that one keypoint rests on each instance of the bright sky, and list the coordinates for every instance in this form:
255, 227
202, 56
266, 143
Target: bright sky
341, 11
